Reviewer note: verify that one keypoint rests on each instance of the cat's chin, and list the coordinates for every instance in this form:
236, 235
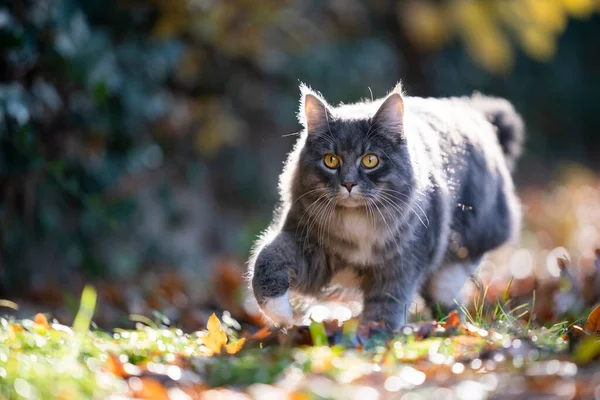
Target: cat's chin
351, 202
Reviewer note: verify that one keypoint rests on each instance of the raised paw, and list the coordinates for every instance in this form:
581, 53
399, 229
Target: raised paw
279, 310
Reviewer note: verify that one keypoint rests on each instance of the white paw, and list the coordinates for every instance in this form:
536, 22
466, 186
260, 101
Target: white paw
279, 310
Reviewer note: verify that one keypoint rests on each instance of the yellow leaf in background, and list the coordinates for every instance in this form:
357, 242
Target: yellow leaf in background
580, 8
425, 23
485, 42
538, 44
218, 126
548, 14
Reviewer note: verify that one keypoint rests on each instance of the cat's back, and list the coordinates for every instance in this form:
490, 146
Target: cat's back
454, 129
452, 117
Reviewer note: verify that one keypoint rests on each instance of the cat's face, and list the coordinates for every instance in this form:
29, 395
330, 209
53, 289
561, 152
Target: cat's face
355, 162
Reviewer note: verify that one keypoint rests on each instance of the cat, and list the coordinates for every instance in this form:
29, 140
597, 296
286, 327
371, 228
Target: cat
393, 197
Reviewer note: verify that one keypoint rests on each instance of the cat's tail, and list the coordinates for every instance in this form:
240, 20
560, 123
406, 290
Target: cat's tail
509, 124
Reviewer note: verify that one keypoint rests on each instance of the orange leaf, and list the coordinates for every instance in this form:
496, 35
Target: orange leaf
150, 389
216, 337
263, 333
13, 330
592, 326
114, 366
233, 348
452, 321
40, 319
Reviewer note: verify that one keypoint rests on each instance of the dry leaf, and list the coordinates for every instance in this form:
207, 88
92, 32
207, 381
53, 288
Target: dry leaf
233, 348
150, 389
114, 366
41, 320
216, 338
263, 333
592, 326
453, 320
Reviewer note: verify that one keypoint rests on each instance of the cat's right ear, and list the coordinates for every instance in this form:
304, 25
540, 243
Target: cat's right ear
314, 113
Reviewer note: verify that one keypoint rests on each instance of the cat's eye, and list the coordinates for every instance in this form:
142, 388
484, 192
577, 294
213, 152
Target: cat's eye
331, 160
370, 161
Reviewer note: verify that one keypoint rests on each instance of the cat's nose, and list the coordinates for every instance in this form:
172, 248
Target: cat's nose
349, 186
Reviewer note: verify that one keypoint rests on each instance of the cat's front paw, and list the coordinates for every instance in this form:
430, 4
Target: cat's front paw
279, 310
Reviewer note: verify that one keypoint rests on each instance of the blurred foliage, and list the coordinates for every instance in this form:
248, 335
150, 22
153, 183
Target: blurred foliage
487, 27
149, 132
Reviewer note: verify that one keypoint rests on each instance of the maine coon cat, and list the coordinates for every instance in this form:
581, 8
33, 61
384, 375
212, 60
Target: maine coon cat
392, 197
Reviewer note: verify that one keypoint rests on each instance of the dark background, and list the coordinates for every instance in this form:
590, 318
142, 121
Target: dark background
141, 135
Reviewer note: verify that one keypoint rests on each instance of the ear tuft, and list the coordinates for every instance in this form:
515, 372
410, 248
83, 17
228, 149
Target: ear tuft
398, 89
314, 113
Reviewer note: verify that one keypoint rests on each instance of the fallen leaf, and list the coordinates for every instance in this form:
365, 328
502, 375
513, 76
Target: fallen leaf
114, 366
216, 338
263, 333
453, 321
592, 326
40, 319
150, 389
233, 348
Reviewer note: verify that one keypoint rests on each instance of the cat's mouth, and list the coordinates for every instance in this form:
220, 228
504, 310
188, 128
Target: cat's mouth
350, 200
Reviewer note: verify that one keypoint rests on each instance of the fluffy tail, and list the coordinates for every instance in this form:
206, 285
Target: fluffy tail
509, 124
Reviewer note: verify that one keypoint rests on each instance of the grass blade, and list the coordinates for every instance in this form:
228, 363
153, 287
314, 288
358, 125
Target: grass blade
86, 310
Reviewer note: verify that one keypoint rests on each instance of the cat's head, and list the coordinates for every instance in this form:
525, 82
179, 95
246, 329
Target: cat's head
355, 155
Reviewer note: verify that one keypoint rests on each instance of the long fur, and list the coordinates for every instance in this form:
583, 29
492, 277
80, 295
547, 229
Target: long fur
440, 197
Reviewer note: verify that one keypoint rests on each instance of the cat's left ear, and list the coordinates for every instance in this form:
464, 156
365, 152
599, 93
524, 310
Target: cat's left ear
390, 114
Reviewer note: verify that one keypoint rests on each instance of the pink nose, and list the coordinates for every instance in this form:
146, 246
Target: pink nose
349, 186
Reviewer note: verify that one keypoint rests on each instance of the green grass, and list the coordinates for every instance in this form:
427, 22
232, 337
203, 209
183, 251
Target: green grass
60, 362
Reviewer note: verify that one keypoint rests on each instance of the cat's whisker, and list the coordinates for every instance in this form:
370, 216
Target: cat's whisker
395, 206
375, 133
321, 219
307, 213
387, 225
392, 197
327, 218
409, 205
369, 213
307, 193
326, 137
315, 219
392, 192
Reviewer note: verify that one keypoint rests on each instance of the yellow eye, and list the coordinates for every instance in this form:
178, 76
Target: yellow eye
370, 161
331, 160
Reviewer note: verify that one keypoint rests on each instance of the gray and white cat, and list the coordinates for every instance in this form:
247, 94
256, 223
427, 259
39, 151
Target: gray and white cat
392, 196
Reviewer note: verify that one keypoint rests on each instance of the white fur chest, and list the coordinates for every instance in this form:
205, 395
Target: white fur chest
362, 232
